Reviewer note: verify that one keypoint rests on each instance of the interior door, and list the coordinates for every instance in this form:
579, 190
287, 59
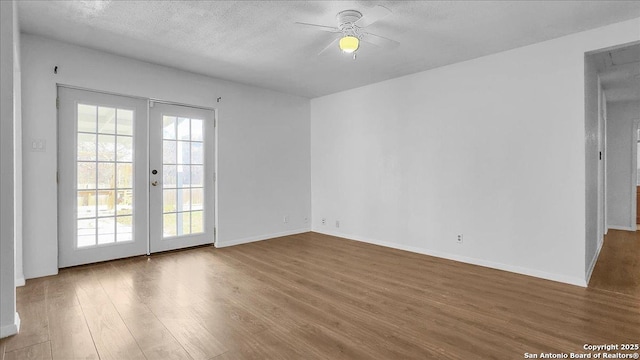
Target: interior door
102, 179
181, 145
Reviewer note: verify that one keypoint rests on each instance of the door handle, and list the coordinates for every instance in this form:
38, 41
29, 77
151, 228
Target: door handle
154, 183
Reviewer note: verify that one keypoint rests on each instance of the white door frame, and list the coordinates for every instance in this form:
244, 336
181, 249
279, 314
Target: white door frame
158, 242
634, 174
216, 174
146, 164
70, 253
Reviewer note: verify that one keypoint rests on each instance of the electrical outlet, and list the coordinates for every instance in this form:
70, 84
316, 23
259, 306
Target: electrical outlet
324, 221
286, 219
337, 223
459, 239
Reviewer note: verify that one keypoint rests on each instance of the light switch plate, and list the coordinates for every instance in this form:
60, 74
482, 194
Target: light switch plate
38, 145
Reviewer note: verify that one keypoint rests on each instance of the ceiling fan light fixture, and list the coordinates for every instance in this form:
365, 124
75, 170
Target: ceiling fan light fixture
349, 44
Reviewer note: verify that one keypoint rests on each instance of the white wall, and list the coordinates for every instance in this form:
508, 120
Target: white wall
492, 148
263, 144
621, 120
9, 321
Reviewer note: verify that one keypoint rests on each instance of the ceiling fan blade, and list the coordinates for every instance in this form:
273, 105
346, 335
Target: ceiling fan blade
332, 44
332, 29
380, 41
373, 15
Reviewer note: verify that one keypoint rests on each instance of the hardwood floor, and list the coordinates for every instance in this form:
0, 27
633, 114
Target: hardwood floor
618, 266
309, 296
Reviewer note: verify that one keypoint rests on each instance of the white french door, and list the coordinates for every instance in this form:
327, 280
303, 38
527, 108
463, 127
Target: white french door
131, 179
181, 144
102, 197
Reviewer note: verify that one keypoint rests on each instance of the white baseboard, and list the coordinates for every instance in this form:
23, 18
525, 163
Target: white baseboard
11, 329
41, 272
594, 261
625, 228
474, 261
221, 244
20, 281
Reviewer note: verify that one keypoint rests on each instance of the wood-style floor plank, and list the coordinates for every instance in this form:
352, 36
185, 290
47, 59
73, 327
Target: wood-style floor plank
70, 335
3, 341
195, 339
412, 306
155, 341
618, 265
313, 296
41, 351
34, 324
110, 335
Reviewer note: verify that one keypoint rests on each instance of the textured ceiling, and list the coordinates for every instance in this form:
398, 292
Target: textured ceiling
619, 71
257, 42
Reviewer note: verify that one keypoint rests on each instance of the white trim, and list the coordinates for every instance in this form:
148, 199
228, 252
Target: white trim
221, 244
624, 228
216, 222
43, 272
153, 100
593, 262
605, 151
12, 329
600, 174
147, 165
469, 260
634, 172
20, 281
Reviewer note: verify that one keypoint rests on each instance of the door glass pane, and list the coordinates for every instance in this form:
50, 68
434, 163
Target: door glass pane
169, 224
125, 175
169, 127
106, 203
105, 163
184, 223
197, 176
86, 232
169, 176
125, 122
106, 147
169, 200
124, 202
184, 199
184, 175
124, 228
197, 222
106, 120
86, 146
106, 176
86, 204
184, 152
197, 156
183, 129
196, 130
183, 195
87, 118
169, 154
106, 230
86, 175
197, 199
125, 148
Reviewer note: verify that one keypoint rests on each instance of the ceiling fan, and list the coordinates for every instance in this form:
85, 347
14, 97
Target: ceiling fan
351, 30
